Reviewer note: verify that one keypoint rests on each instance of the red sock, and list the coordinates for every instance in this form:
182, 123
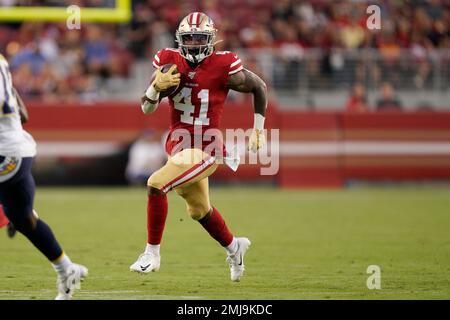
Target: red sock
156, 217
217, 228
3, 219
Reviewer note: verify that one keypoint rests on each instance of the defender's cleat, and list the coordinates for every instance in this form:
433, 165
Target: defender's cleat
236, 260
147, 262
67, 284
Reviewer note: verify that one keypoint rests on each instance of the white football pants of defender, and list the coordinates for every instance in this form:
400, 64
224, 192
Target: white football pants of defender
187, 173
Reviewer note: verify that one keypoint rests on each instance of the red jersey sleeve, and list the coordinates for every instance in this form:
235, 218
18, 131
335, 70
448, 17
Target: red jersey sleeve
235, 64
162, 57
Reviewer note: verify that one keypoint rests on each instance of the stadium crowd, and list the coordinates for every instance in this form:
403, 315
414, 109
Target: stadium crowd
51, 62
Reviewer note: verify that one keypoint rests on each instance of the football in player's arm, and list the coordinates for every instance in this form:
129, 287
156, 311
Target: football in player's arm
242, 81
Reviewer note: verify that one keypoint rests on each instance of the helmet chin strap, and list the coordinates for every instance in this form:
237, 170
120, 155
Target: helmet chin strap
196, 58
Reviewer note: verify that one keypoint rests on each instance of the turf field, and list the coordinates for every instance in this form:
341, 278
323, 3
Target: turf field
305, 245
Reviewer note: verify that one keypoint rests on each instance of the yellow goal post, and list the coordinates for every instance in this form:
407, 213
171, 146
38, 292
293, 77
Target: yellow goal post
119, 14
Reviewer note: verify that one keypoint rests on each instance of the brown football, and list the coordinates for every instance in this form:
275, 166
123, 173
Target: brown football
171, 90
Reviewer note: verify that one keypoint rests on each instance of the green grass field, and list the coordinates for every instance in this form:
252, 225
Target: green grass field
305, 245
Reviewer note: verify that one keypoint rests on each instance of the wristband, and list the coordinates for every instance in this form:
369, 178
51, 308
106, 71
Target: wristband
258, 122
151, 93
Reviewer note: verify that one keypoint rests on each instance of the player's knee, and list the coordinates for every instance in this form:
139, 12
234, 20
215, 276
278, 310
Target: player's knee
197, 211
26, 224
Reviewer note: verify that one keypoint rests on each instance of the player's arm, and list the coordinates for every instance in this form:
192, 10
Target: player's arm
247, 81
22, 108
150, 99
161, 81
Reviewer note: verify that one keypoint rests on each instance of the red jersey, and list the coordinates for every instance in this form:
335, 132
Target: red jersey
197, 104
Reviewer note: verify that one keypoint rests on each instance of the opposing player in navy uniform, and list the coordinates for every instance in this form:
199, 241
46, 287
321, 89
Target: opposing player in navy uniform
17, 187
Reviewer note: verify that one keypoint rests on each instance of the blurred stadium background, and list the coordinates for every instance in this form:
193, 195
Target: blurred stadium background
351, 103
354, 107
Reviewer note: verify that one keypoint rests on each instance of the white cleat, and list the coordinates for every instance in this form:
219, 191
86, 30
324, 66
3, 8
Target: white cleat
67, 284
236, 260
147, 262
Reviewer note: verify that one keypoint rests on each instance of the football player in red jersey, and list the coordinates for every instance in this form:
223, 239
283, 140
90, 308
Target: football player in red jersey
202, 83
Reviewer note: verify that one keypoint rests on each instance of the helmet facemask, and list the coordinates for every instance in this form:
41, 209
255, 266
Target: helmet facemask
196, 45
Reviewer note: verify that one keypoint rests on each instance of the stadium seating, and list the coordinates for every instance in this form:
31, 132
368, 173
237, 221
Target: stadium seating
313, 51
